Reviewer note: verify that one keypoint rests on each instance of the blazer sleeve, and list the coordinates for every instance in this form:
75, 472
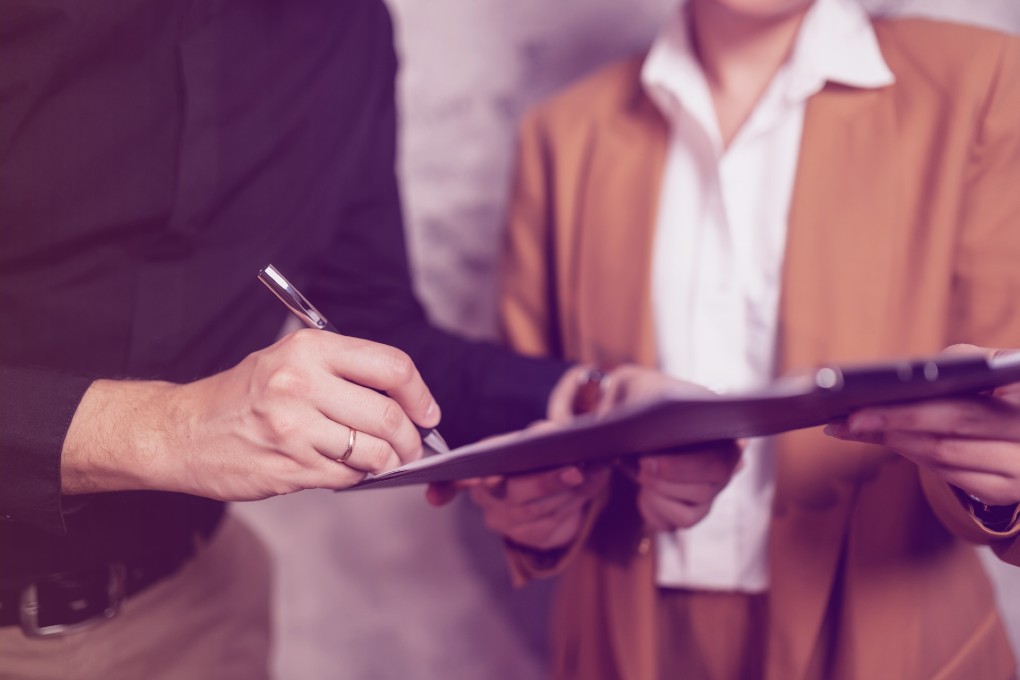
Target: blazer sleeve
986, 303
528, 310
527, 304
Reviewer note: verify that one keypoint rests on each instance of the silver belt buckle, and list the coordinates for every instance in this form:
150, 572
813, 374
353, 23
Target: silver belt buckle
31, 606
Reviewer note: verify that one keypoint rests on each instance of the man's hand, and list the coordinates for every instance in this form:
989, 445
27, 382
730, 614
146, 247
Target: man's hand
275, 423
972, 443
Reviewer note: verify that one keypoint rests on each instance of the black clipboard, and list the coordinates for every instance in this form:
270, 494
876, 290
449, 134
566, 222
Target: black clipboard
679, 420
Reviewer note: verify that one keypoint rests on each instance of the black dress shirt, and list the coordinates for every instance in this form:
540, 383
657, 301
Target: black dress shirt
155, 155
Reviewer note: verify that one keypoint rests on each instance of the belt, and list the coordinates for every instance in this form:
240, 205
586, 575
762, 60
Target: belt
57, 604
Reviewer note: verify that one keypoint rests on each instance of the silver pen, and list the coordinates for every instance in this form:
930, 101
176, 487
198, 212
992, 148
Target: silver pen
313, 318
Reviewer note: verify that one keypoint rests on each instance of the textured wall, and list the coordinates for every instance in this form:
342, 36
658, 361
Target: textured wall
470, 67
375, 584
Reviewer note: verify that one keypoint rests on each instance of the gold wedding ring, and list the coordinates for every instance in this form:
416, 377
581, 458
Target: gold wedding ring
350, 446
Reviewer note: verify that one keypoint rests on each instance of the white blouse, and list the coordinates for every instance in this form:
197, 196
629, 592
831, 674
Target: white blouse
716, 273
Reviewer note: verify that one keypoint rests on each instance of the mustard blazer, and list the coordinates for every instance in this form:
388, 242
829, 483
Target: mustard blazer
904, 237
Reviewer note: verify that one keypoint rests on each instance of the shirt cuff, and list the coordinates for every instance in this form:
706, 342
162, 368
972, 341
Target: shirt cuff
36, 408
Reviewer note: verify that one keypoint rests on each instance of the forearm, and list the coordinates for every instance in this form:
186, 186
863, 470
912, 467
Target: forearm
120, 437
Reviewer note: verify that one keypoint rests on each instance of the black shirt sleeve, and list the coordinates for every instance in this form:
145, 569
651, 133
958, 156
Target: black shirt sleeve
36, 407
366, 288
118, 259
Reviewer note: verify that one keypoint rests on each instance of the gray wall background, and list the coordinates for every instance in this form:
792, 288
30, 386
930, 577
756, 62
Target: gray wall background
376, 584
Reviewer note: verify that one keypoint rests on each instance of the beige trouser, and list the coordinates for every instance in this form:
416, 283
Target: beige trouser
209, 620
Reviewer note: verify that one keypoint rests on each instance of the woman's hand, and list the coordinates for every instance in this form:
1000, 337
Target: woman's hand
543, 511
971, 442
546, 510
677, 490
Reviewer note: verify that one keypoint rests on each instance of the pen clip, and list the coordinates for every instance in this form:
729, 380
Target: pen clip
290, 296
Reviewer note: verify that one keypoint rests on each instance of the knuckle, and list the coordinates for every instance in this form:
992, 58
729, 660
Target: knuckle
285, 381
973, 418
307, 337
908, 419
943, 451
300, 341
376, 455
281, 426
519, 514
399, 368
391, 419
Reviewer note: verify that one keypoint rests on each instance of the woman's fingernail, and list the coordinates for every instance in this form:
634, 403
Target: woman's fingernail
866, 422
572, 476
837, 430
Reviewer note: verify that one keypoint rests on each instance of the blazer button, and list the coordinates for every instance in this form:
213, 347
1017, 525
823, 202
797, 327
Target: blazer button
645, 546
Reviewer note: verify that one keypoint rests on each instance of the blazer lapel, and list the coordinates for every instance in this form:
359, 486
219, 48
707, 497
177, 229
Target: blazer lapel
839, 260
